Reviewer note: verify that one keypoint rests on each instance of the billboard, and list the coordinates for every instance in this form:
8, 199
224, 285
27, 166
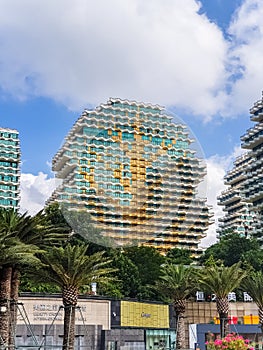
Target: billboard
146, 315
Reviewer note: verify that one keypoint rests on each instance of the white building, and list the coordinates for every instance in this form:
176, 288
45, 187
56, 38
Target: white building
253, 186
239, 215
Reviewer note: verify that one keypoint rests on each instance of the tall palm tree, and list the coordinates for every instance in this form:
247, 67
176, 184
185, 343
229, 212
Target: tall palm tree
33, 230
12, 251
7, 244
29, 235
221, 280
71, 269
253, 285
177, 282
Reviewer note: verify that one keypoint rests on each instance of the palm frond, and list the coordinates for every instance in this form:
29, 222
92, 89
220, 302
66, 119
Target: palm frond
221, 280
253, 285
73, 267
176, 281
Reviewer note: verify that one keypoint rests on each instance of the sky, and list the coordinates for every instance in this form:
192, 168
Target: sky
202, 60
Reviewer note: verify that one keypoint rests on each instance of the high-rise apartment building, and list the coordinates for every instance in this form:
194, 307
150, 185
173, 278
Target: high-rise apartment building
133, 170
9, 168
253, 186
239, 215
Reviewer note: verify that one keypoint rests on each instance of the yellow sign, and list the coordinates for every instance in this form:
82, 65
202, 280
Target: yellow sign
135, 314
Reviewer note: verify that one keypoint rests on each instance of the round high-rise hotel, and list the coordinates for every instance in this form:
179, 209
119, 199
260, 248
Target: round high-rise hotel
134, 171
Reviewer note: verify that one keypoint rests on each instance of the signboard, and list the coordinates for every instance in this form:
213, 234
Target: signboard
48, 310
134, 314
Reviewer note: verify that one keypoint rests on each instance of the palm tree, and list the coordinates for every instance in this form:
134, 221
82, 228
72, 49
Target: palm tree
221, 280
71, 269
6, 257
33, 230
29, 235
253, 285
12, 252
177, 282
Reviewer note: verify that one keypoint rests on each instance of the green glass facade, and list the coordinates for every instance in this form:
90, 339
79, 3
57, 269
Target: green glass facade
9, 168
135, 172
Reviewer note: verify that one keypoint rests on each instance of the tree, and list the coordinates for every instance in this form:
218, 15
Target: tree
221, 280
148, 262
29, 235
54, 215
230, 249
177, 282
14, 253
8, 249
71, 269
253, 258
127, 274
179, 256
253, 285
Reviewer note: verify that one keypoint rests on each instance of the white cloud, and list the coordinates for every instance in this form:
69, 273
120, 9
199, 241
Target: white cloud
82, 52
245, 55
35, 190
85, 51
216, 170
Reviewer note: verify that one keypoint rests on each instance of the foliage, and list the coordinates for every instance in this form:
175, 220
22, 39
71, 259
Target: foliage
179, 256
220, 280
231, 249
148, 261
253, 258
54, 215
69, 265
127, 274
111, 289
230, 342
177, 282
17, 242
253, 285
29, 285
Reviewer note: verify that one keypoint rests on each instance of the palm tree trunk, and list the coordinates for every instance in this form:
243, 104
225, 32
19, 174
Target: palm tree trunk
222, 305
5, 290
224, 325
180, 332
70, 299
260, 316
15, 282
179, 308
69, 327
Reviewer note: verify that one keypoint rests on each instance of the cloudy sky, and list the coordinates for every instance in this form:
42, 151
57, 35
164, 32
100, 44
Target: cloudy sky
200, 59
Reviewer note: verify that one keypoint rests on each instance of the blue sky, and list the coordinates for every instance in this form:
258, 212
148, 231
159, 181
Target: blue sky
202, 60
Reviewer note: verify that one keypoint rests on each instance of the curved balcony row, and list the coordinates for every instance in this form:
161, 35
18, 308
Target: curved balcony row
252, 140
164, 212
147, 230
112, 101
132, 122
111, 145
115, 119
111, 122
191, 176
